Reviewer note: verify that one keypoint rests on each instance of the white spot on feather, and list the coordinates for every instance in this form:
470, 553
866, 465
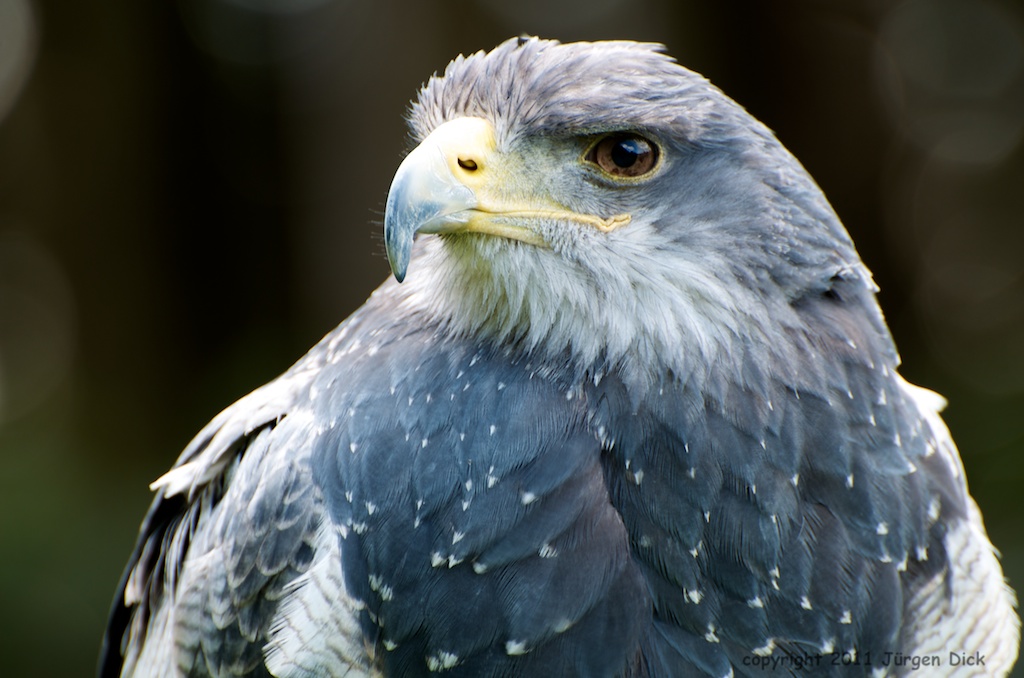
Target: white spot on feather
710, 635
755, 602
693, 596
515, 647
528, 498
849, 481
766, 649
442, 661
563, 625
805, 603
882, 529
847, 617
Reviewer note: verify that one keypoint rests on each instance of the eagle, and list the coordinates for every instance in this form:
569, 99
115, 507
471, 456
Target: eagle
628, 406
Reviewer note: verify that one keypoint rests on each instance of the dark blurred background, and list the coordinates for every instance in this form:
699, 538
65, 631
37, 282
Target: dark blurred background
191, 191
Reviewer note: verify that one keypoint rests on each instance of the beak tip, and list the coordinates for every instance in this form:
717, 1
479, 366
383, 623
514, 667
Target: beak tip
398, 260
398, 247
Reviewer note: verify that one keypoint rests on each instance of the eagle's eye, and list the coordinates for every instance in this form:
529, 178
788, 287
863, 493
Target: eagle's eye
624, 155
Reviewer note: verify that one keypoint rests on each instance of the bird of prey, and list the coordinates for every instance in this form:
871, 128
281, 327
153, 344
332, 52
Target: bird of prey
634, 411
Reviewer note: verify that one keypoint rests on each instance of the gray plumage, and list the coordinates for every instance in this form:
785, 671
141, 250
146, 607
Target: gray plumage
648, 426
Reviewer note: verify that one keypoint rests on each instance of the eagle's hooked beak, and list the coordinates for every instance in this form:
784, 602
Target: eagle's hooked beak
431, 191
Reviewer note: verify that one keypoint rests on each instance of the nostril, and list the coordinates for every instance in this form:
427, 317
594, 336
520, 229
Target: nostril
467, 164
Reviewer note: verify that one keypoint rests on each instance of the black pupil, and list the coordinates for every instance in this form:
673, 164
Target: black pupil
626, 152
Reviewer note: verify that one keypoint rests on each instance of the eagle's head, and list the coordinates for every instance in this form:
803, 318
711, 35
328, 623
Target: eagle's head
600, 201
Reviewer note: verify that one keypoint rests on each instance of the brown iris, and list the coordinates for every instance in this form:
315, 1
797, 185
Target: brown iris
624, 155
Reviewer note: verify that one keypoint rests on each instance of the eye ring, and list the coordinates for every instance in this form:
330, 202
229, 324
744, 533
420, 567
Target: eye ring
624, 155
